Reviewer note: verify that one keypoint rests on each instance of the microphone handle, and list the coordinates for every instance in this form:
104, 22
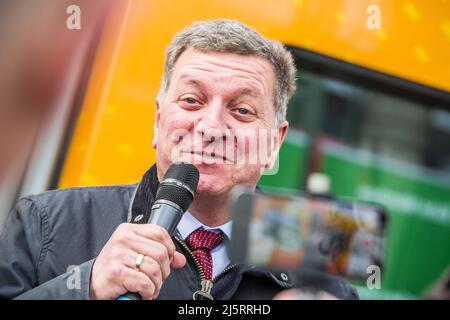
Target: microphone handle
130, 296
167, 215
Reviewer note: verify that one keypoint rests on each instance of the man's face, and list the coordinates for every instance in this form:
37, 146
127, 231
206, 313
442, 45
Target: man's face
218, 113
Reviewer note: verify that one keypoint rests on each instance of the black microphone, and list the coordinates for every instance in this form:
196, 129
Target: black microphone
173, 197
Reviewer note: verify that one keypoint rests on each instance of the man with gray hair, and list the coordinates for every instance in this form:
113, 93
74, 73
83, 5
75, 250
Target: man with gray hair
224, 87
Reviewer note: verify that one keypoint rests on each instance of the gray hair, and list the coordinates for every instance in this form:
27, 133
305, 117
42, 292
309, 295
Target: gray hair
231, 36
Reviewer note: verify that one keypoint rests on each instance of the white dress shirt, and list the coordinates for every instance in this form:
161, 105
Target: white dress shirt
219, 254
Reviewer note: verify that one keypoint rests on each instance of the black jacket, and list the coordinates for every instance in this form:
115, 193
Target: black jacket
50, 241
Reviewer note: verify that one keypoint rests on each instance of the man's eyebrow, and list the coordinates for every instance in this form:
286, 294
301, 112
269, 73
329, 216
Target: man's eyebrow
189, 81
196, 83
249, 92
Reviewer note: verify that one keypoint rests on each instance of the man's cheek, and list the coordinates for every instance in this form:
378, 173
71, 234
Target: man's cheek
247, 147
174, 141
180, 120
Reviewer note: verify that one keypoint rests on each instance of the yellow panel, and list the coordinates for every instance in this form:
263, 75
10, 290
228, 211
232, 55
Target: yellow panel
112, 140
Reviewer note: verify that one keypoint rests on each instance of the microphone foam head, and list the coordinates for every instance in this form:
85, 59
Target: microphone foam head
179, 185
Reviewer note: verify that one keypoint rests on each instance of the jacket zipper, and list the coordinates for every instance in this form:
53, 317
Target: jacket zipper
206, 285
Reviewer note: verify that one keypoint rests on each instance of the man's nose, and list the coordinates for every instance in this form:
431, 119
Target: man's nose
212, 123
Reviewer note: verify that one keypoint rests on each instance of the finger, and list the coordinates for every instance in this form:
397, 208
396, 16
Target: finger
156, 233
153, 270
135, 281
150, 268
154, 250
179, 260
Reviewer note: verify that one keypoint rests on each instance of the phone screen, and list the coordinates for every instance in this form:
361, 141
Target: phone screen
341, 236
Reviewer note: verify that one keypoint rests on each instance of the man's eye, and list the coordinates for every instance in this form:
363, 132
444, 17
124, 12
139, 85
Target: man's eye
243, 111
244, 114
190, 100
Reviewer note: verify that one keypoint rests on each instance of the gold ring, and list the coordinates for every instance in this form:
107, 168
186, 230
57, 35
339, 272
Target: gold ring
139, 259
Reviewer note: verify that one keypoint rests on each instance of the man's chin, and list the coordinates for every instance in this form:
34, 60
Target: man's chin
212, 186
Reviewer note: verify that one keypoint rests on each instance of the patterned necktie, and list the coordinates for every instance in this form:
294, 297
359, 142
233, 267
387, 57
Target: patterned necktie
201, 242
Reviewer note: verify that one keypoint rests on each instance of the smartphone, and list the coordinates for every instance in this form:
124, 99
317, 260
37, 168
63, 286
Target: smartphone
339, 236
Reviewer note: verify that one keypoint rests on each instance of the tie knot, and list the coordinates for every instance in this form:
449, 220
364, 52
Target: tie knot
204, 239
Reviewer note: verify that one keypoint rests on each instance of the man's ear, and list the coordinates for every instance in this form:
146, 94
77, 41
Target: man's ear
277, 141
156, 125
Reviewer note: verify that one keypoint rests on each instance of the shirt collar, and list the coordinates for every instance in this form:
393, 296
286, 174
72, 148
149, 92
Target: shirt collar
189, 223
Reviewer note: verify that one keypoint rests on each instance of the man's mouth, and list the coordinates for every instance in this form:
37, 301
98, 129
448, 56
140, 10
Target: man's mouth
213, 156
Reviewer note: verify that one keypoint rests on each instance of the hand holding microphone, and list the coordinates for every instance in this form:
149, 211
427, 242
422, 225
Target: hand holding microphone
138, 257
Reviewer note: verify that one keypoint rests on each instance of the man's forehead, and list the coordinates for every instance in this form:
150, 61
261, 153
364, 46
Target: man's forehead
194, 67
223, 60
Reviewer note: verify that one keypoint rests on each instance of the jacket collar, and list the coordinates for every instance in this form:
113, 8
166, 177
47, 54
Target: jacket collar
143, 197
